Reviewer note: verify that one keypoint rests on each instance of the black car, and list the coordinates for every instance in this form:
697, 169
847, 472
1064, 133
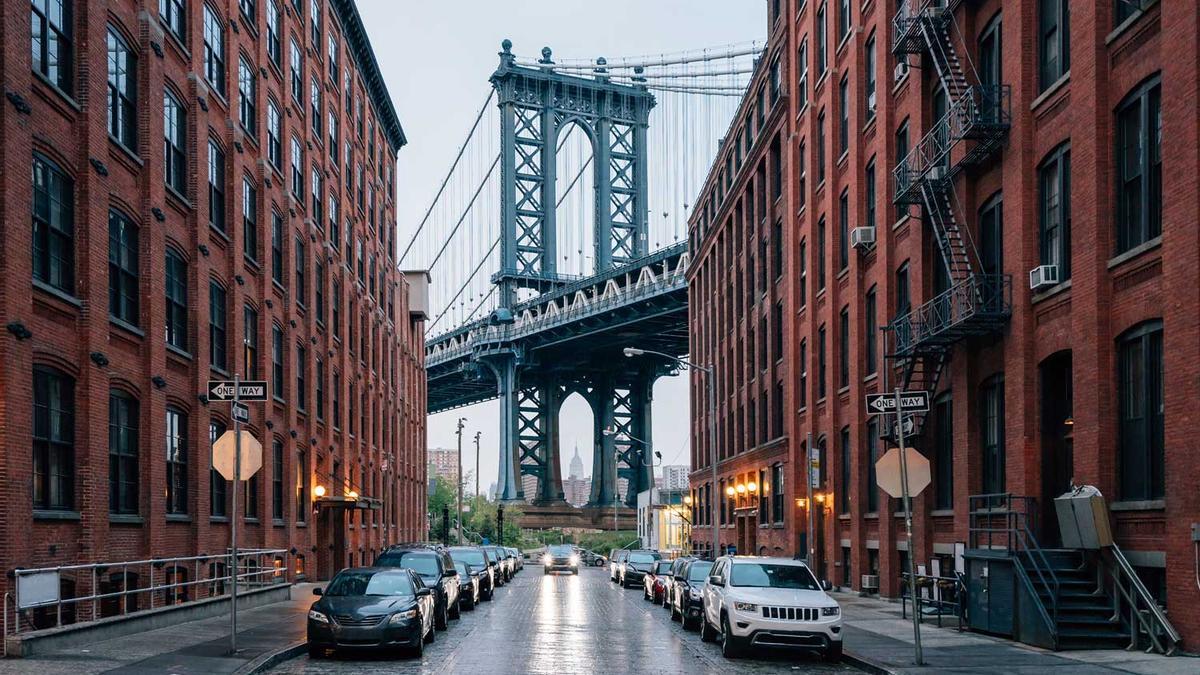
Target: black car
468, 585
478, 560
503, 564
636, 566
436, 570
687, 603
371, 607
560, 557
673, 579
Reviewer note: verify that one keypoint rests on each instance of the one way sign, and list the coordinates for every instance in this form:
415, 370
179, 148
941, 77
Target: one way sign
250, 390
910, 401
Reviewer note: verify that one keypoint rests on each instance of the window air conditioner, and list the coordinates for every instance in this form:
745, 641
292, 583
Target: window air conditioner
870, 582
1043, 276
862, 237
900, 72
871, 101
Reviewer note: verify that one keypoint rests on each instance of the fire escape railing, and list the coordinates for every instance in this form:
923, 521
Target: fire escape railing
981, 301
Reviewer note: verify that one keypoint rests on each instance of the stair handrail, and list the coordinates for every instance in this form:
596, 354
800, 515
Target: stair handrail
1141, 597
1051, 623
1029, 543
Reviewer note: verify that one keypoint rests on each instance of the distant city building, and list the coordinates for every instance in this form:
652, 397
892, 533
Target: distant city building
675, 477
529, 484
576, 465
444, 462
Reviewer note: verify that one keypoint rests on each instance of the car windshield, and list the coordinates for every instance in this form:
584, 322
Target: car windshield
699, 570
663, 567
469, 556
370, 582
766, 575
421, 562
643, 557
461, 567
561, 551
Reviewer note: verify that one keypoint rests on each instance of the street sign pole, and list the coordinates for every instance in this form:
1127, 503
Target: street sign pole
907, 501
808, 486
233, 521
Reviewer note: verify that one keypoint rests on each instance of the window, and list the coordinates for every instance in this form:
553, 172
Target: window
821, 254
821, 366
317, 195
297, 170
1140, 397
315, 21
314, 103
274, 46
335, 303
218, 489
337, 400
122, 91
802, 64
277, 272
335, 232
1139, 166
177, 300
214, 51
844, 348
902, 297
52, 23
843, 19
1126, 9
294, 59
844, 115
301, 485
320, 388
843, 490
872, 330
943, 440
822, 41
177, 461
821, 148
992, 428
274, 144
173, 14
122, 268
247, 97
300, 270
53, 440
844, 230
319, 291
249, 220
217, 311
333, 136
802, 296
902, 157
277, 377
990, 55
250, 341
174, 142
869, 187
216, 186
1054, 211
332, 57
869, 71
277, 479
53, 226
122, 453
301, 367
250, 498
1054, 41
777, 492
991, 238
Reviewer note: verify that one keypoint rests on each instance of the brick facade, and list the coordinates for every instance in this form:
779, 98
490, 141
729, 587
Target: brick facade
362, 335
1057, 360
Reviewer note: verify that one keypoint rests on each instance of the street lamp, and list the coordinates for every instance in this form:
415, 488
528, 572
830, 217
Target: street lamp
712, 424
459, 478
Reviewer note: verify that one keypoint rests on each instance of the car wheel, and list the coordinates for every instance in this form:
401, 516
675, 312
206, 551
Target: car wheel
575, 571
315, 652
455, 612
487, 595
440, 620
418, 648
833, 652
688, 622
707, 633
731, 646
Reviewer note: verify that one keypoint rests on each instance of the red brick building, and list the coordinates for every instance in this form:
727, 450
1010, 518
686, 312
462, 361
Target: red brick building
211, 192
1032, 260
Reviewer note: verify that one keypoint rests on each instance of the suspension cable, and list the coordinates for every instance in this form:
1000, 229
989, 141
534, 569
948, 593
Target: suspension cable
464, 285
463, 217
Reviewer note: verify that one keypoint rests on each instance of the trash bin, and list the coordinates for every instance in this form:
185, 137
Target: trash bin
1083, 518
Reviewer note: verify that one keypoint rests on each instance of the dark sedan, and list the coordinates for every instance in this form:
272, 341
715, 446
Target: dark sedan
371, 607
477, 560
468, 585
636, 566
436, 570
687, 603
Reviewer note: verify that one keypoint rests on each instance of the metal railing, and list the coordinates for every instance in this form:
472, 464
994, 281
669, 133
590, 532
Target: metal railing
980, 296
947, 596
70, 594
1012, 519
1144, 612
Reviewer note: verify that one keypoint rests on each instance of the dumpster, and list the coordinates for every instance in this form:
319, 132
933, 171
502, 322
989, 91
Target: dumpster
1083, 518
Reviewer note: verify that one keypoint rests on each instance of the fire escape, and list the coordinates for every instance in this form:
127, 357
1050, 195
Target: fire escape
971, 132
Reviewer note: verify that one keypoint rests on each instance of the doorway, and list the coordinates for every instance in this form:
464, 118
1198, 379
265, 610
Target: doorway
331, 528
1057, 425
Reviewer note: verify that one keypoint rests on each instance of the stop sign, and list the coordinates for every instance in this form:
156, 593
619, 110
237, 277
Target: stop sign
887, 472
224, 455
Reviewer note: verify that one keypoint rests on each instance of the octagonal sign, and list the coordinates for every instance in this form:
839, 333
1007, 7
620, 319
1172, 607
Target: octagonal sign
223, 455
887, 472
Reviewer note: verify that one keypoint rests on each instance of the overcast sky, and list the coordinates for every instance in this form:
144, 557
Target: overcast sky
436, 57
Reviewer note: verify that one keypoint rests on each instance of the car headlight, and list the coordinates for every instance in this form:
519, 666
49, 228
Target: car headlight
831, 611
546, 560
695, 594
317, 616
401, 617
574, 560
745, 606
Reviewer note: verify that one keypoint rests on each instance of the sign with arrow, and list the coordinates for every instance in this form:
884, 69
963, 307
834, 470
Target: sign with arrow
246, 390
910, 401
241, 413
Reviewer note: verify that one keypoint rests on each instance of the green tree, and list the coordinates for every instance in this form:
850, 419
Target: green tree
441, 496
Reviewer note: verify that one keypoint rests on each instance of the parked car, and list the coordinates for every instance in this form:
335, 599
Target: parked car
671, 581
371, 607
518, 559
769, 602
655, 581
636, 565
477, 560
468, 585
614, 563
436, 570
560, 557
687, 600
505, 563
591, 558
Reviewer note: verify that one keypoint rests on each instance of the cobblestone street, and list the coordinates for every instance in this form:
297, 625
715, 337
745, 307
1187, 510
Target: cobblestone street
563, 624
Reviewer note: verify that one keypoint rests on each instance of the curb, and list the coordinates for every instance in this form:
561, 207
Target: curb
271, 659
865, 664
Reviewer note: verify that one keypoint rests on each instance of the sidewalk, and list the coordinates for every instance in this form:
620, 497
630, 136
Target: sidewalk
192, 647
877, 635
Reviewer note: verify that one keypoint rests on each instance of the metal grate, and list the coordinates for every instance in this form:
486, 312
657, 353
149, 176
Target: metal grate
367, 620
791, 613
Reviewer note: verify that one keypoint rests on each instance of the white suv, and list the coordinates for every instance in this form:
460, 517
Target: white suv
769, 602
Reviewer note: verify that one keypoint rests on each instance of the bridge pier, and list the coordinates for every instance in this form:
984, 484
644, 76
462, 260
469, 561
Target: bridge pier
508, 482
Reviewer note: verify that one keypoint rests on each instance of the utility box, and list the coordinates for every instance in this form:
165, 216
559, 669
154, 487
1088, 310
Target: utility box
1083, 518
418, 294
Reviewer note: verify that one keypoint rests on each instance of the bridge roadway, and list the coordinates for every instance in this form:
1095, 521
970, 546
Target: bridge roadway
577, 329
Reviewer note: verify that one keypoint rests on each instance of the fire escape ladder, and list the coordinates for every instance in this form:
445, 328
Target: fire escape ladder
935, 29
958, 254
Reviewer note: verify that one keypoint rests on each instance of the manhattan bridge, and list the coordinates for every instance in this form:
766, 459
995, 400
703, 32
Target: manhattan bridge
558, 237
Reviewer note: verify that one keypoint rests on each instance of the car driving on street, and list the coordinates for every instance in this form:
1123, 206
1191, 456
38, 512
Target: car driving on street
371, 607
436, 569
754, 602
560, 557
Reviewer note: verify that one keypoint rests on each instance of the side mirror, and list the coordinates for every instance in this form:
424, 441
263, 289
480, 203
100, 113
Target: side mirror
318, 590
716, 580
424, 591
450, 573
826, 586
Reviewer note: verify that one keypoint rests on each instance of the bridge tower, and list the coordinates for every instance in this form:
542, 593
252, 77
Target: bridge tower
537, 105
